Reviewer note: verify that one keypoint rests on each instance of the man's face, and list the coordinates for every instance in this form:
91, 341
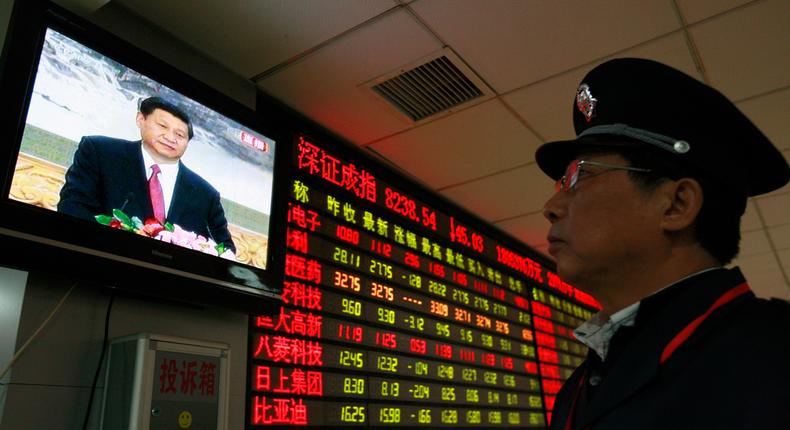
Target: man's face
164, 134
602, 226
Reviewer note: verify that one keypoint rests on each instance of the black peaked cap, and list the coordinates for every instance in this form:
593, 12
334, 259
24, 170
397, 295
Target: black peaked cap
639, 103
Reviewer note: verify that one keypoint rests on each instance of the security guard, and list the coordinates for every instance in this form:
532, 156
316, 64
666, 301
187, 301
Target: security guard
645, 217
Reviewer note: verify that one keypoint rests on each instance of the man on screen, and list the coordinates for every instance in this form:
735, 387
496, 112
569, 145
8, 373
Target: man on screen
145, 178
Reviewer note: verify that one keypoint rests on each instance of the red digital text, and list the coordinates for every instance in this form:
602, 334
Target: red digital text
289, 381
318, 162
274, 411
292, 322
517, 262
282, 349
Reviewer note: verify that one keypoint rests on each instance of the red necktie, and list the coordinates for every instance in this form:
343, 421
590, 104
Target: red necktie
157, 198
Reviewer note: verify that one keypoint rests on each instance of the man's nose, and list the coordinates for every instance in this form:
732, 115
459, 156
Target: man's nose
554, 208
171, 136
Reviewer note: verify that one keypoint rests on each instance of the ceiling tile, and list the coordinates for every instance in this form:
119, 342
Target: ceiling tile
250, 36
784, 257
754, 242
324, 86
513, 43
774, 209
505, 195
671, 50
780, 236
770, 113
786, 188
764, 275
547, 105
750, 221
742, 58
530, 229
472, 143
697, 10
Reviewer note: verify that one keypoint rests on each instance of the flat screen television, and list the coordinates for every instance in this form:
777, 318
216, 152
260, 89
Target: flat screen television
125, 169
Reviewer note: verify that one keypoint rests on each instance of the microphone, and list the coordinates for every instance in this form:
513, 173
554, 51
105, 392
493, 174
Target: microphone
208, 230
129, 198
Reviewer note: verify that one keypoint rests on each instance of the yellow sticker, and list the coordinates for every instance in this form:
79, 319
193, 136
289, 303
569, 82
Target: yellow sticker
184, 419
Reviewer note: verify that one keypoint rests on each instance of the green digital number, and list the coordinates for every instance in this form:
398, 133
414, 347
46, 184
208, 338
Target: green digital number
351, 359
390, 389
449, 416
437, 288
415, 323
351, 307
352, 414
354, 385
415, 281
469, 375
389, 415
387, 364
420, 391
424, 416
381, 269
445, 371
463, 297
386, 315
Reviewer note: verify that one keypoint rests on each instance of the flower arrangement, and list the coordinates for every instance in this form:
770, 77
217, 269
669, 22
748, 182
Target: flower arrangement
167, 232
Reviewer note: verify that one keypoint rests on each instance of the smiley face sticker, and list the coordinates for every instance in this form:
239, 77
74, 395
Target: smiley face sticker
184, 419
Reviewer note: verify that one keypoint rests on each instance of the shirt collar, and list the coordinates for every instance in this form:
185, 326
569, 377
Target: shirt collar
148, 161
597, 332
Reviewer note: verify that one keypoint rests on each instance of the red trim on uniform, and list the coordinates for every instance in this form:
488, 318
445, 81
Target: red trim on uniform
687, 331
674, 344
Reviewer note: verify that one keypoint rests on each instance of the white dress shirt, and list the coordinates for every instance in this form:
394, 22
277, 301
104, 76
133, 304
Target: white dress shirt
598, 331
167, 176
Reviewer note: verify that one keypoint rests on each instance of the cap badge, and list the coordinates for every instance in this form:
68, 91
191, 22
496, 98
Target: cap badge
585, 101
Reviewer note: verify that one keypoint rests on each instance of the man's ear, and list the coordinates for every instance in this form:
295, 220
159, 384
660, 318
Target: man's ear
139, 119
683, 202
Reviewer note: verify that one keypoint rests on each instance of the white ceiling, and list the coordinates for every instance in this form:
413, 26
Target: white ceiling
316, 56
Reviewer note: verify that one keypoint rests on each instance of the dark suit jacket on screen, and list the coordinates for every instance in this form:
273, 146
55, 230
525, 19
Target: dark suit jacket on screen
109, 174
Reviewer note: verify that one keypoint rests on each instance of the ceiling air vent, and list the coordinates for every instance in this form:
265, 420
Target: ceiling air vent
425, 90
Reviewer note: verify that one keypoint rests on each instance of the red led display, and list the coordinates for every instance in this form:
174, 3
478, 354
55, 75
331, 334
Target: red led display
398, 314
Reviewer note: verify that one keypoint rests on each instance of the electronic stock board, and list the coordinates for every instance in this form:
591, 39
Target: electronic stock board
400, 311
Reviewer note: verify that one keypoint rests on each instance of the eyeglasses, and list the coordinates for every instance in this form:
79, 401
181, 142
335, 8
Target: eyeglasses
574, 172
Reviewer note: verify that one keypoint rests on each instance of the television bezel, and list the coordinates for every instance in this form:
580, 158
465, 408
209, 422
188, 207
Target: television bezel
41, 239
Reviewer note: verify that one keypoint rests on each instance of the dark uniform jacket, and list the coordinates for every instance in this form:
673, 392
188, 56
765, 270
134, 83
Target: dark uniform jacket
110, 174
732, 372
